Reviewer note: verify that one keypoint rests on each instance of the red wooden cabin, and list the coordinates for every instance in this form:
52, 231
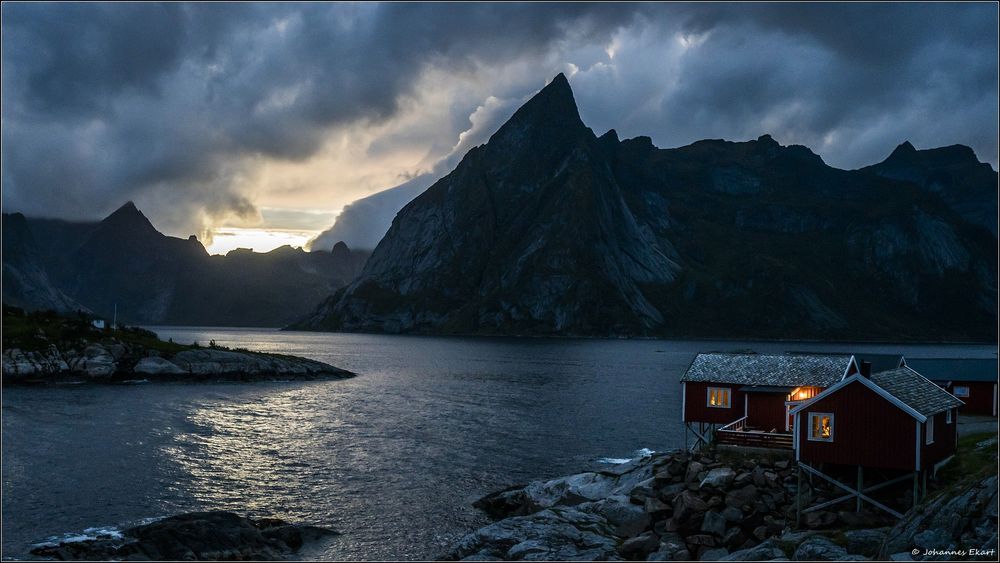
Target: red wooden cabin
894, 419
974, 381
745, 399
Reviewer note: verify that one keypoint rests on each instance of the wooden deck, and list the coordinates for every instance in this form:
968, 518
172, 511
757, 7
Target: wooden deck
736, 433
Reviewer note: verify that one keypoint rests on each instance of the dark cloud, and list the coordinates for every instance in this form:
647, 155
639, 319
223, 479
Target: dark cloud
175, 104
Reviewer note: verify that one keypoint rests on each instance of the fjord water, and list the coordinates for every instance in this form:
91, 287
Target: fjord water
392, 458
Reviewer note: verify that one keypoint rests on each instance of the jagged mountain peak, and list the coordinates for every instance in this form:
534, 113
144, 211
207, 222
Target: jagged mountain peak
549, 114
127, 220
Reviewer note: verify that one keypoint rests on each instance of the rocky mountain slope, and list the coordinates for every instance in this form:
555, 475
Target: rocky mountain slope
550, 230
157, 279
25, 281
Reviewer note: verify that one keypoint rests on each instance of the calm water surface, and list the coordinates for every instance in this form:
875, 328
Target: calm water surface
392, 458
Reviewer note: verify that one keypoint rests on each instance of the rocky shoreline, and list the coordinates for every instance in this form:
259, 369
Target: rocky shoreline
707, 506
195, 536
112, 360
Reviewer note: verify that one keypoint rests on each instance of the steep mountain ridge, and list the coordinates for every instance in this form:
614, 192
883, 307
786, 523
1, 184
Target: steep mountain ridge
124, 263
548, 229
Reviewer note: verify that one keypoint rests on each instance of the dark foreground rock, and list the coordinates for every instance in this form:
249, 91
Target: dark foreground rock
680, 506
197, 536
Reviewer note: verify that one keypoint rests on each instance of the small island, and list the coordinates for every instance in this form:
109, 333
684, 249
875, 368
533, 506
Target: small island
44, 347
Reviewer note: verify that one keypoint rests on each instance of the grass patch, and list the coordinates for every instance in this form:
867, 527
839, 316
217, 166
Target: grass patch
971, 463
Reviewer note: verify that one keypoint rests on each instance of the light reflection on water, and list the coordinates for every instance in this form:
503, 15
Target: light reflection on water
393, 458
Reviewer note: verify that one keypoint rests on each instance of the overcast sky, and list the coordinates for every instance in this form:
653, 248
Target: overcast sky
278, 115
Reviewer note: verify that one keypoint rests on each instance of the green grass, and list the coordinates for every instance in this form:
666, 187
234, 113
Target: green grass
970, 463
38, 330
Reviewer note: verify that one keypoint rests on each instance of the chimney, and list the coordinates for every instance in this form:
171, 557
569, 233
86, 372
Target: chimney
866, 369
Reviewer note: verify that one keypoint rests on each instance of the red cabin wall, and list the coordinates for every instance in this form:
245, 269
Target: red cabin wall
766, 411
980, 399
868, 430
944, 440
696, 407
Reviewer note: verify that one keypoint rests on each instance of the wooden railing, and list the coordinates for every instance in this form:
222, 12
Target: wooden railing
736, 434
738, 425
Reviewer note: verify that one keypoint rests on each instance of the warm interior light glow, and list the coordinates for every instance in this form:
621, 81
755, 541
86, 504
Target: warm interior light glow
803, 393
225, 239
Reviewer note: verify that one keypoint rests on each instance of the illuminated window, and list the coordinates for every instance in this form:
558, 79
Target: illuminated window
821, 426
947, 417
803, 393
718, 397
929, 439
961, 391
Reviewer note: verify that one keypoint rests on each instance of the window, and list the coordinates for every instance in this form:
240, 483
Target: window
947, 416
929, 439
961, 391
821, 426
718, 397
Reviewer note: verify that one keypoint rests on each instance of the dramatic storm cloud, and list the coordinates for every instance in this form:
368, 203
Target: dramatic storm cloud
276, 116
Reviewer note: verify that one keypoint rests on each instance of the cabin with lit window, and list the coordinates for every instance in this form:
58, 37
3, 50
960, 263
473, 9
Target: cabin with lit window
745, 399
974, 381
894, 419
893, 425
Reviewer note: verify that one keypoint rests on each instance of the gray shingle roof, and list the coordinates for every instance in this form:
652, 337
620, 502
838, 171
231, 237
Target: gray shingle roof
822, 370
952, 369
916, 391
880, 362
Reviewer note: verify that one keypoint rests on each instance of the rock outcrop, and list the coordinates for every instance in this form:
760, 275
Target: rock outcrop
197, 536
679, 506
958, 520
550, 230
114, 361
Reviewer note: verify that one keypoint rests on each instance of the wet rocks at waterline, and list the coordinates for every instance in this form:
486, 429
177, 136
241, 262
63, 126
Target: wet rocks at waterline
196, 536
672, 507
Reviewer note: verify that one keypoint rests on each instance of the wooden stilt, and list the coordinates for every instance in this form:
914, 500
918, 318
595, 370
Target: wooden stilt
848, 489
916, 489
798, 497
861, 487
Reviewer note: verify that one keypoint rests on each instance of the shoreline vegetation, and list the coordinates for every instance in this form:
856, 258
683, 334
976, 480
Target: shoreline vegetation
718, 505
45, 347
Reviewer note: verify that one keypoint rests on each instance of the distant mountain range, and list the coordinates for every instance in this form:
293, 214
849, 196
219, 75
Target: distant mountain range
152, 278
550, 230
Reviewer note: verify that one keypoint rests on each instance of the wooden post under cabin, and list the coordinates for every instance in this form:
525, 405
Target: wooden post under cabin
798, 496
861, 487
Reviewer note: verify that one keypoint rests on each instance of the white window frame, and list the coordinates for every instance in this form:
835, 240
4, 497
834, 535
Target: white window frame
947, 416
964, 393
929, 431
809, 434
729, 397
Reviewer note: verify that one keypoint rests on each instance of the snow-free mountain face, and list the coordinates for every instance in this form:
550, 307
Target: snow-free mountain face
548, 229
124, 263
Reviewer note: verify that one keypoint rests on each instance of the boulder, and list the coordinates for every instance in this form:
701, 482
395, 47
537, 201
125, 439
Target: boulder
688, 506
694, 468
864, 542
712, 553
818, 519
672, 548
558, 533
819, 548
713, 523
718, 478
157, 366
740, 498
732, 514
194, 536
766, 551
640, 546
